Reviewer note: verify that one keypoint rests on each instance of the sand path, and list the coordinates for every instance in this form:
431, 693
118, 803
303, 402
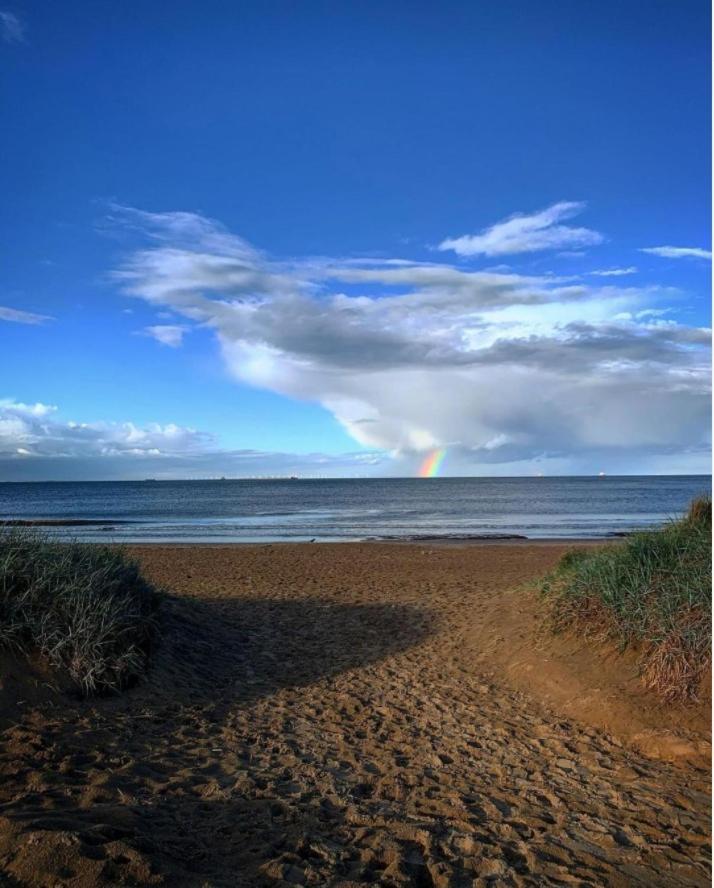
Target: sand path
315, 717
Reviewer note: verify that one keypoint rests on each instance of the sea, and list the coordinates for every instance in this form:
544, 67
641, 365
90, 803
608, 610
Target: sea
227, 511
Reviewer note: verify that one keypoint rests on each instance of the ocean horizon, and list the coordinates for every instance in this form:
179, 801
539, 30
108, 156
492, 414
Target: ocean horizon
350, 509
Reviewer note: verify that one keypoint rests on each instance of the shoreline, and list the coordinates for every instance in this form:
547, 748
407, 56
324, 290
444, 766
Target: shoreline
438, 542
448, 539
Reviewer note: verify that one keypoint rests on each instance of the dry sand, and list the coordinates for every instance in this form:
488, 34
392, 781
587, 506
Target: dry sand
347, 715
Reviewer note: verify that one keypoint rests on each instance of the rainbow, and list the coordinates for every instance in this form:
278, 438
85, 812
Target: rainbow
431, 465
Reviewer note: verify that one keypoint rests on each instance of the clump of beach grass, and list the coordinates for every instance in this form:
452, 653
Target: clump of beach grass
86, 610
652, 592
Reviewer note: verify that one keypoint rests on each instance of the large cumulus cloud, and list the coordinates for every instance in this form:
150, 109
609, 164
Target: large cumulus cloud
500, 367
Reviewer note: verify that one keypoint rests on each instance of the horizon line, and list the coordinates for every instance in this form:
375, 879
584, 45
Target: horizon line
294, 478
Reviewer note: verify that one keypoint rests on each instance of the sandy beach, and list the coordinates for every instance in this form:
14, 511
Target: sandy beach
356, 714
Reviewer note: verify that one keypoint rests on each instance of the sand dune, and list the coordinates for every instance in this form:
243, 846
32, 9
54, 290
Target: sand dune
343, 715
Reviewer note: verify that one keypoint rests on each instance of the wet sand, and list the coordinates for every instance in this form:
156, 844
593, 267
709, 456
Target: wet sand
361, 714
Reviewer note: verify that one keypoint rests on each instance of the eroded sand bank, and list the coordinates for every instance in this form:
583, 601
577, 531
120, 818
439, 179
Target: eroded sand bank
349, 715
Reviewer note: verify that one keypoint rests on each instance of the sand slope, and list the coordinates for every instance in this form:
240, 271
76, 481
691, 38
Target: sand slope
329, 715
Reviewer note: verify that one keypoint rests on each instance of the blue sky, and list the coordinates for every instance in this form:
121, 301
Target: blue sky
271, 238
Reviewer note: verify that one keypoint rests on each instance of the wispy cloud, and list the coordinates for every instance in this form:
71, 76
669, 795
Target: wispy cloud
678, 252
614, 272
12, 28
167, 334
22, 317
523, 233
499, 367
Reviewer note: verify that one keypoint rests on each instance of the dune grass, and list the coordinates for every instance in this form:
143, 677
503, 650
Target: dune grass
652, 592
84, 609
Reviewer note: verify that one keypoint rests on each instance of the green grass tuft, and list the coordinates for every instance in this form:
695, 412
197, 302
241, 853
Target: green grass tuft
85, 609
653, 591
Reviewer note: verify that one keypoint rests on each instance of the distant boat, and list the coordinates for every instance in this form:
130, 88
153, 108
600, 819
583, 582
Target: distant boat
293, 478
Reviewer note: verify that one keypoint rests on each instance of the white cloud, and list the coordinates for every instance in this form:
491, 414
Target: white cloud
499, 367
34, 444
678, 252
614, 272
11, 27
34, 427
18, 408
22, 317
167, 334
523, 233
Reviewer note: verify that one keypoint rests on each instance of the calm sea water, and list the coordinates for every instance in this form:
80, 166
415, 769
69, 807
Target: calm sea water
229, 511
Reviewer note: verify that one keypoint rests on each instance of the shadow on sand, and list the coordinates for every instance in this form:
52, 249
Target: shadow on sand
121, 781
251, 647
